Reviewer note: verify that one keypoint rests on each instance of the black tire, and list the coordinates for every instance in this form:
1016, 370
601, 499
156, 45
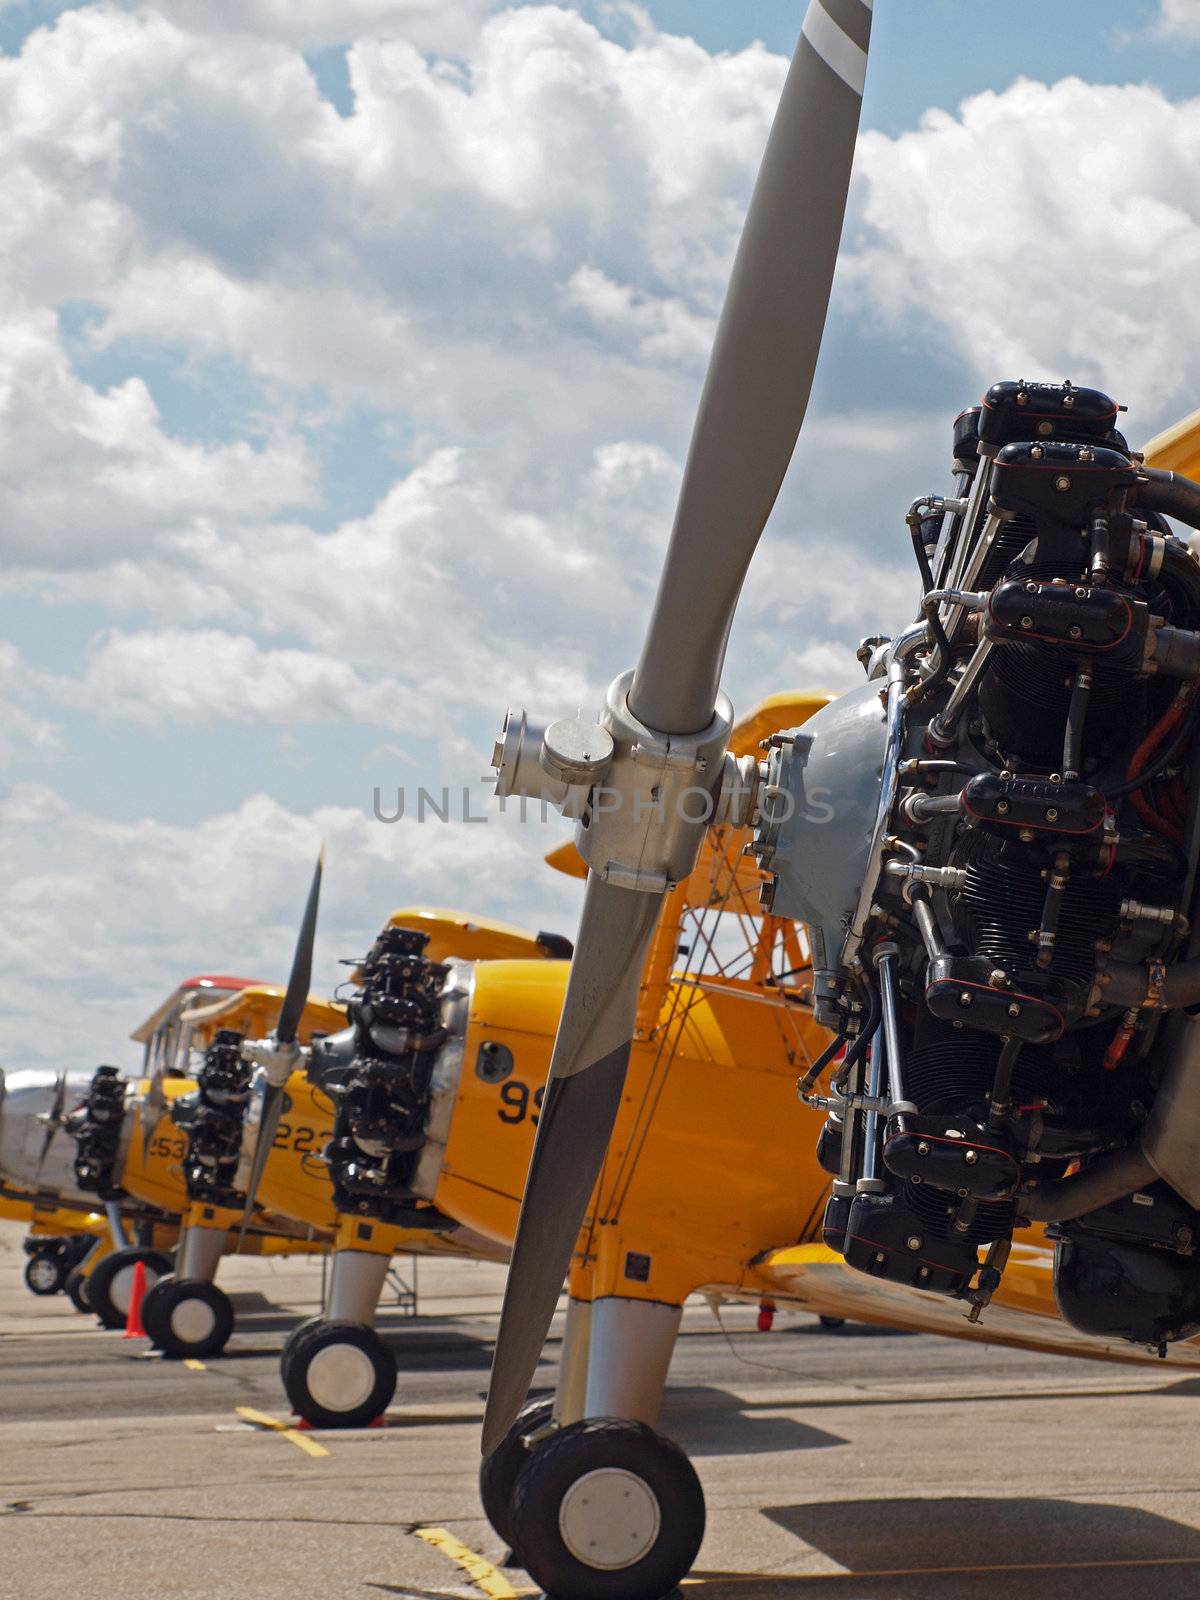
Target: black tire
341, 1375
109, 1284
298, 1336
498, 1474
46, 1272
832, 1322
76, 1289
554, 1514
187, 1320
77, 1248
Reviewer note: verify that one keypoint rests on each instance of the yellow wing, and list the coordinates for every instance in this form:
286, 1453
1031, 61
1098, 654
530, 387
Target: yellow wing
1177, 448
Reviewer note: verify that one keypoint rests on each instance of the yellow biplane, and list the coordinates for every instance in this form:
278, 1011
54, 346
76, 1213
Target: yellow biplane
930, 829
336, 1370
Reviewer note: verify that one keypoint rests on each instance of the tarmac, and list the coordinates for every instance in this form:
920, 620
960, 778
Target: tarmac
857, 1464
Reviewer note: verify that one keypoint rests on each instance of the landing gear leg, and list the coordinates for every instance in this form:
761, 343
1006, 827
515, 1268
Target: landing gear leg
337, 1371
186, 1316
606, 1508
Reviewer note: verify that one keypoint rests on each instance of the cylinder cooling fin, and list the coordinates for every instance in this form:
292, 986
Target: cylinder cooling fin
387, 1076
211, 1119
99, 1127
1005, 823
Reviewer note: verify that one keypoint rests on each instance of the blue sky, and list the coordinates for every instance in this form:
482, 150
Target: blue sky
333, 418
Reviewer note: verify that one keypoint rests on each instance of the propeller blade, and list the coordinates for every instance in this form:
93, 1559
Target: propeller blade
761, 369
297, 990
753, 403
268, 1127
587, 1074
290, 1012
53, 1118
154, 1103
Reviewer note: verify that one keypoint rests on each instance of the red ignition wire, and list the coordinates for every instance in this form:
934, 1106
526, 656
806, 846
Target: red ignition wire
1166, 724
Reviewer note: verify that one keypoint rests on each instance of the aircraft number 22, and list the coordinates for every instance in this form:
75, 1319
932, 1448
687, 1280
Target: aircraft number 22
301, 1139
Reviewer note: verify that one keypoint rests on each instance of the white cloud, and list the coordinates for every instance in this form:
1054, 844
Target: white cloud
1179, 19
448, 593
20, 730
189, 677
196, 187
111, 915
443, 25
84, 472
660, 327
1051, 231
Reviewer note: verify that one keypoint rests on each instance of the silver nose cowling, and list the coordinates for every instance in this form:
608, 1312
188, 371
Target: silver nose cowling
35, 1151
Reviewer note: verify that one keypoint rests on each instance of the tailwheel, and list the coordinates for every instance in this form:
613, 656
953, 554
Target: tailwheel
185, 1318
341, 1375
110, 1285
499, 1472
607, 1509
832, 1322
46, 1272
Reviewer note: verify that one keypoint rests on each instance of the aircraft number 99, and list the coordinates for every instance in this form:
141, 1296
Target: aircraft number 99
516, 1098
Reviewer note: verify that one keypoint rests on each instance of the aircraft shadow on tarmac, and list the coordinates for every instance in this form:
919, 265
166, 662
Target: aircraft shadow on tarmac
712, 1422
982, 1549
416, 1350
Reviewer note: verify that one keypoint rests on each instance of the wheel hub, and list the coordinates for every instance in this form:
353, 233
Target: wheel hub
120, 1290
340, 1377
43, 1273
192, 1320
609, 1519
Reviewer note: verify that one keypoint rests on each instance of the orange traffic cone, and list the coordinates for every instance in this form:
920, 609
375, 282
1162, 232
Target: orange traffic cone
133, 1322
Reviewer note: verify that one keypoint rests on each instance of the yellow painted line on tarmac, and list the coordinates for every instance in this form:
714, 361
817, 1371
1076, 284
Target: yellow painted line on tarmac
939, 1572
301, 1440
193, 1365
487, 1578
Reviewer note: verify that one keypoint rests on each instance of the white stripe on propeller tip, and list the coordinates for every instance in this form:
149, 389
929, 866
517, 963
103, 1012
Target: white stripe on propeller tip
835, 47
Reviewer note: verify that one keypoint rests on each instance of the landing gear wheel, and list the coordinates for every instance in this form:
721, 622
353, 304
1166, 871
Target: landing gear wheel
76, 1290
499, 1472
341, 1375
111, 1284
832, 1322
45, 1273
184, 1318
608, 1510
298, 1336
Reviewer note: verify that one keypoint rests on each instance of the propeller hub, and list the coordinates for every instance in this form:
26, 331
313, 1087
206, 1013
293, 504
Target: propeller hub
643, 828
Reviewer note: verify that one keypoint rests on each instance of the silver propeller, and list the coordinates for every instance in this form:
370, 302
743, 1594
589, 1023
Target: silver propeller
288, 1026
53, 1118
154, 1103
669, 715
